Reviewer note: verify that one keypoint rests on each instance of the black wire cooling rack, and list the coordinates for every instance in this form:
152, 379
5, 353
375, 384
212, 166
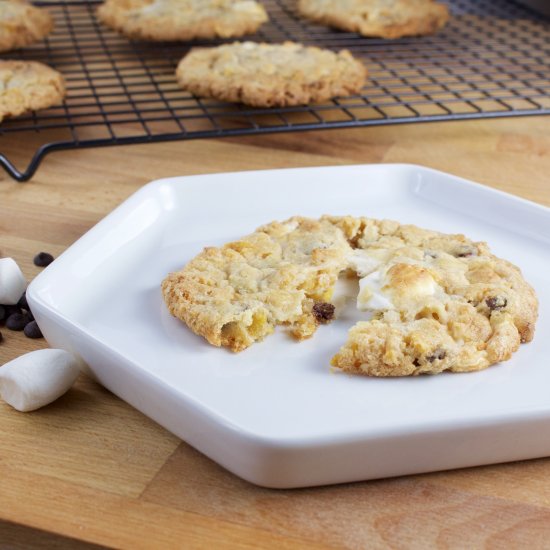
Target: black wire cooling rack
491, 60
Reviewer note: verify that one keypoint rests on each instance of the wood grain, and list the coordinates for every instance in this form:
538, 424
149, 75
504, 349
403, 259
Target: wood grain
18, 537
91, 468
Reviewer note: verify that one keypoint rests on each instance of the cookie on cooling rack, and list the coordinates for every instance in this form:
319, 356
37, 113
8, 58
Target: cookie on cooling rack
22, 24
270, 75
378, 18
440, 302
172, 20
28, 86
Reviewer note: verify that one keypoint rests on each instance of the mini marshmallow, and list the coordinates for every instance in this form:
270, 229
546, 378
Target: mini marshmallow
371, 293
38, 378
12, 282
362, 262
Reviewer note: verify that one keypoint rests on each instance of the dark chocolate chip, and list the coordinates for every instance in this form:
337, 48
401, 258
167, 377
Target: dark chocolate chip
323, 312
416, 362
495, 303
17, 321
43, 259
437, 355
23, 304
10, 310
32, 330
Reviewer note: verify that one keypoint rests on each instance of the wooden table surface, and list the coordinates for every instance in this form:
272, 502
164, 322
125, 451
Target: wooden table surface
90, 470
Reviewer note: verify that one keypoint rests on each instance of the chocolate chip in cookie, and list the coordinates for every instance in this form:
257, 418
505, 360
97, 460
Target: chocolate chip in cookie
323, 312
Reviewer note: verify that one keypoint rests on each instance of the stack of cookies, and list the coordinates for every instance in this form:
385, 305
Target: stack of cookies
256, 74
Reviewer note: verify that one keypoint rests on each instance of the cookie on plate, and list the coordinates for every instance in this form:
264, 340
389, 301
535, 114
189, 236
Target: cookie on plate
378, 18
21, 24
28, 86
440, 302
432, 301
270, 75
173, 20
282, 274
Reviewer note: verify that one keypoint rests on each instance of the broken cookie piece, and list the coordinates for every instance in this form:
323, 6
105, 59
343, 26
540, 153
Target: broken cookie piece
441, 302
282, 274
438, 302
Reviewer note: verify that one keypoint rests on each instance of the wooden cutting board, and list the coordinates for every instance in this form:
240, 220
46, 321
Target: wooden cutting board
89, 469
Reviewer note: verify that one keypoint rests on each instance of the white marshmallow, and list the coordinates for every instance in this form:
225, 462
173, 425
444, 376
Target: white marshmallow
38, 378
345, 291
12, 282
362, 262
371, 293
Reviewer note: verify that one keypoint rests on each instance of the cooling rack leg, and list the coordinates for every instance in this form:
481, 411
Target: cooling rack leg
26, 175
